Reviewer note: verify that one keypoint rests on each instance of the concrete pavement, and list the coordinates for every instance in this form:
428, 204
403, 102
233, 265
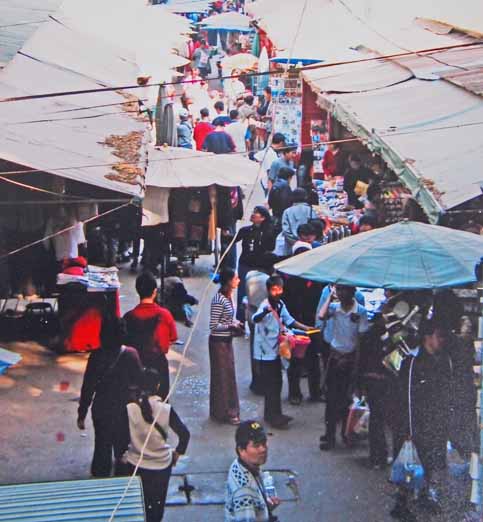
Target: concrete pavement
40, 441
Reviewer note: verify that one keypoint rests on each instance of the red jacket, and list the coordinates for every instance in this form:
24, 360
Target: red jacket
202, 129
165, 329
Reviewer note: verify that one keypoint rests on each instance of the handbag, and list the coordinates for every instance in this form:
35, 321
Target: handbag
357, 424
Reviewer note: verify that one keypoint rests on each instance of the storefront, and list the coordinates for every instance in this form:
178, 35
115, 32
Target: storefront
388, 113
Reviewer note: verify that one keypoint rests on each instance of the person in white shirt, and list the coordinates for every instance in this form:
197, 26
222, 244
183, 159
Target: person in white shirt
346, 321
267, 156
66, 244
233, 89
237, 130
159, 458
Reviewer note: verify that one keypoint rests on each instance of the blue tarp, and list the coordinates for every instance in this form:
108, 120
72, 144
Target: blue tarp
7, 359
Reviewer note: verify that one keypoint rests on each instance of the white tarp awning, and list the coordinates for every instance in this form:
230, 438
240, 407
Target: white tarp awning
67, 135
19, 20
175, 167
430, 134
339, 29
148, 33
189, 6
230, 21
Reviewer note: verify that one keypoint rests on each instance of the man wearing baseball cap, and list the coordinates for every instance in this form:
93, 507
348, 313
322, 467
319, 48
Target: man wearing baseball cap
246, 499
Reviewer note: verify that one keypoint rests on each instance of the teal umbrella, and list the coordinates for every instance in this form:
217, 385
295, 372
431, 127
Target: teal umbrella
404, 256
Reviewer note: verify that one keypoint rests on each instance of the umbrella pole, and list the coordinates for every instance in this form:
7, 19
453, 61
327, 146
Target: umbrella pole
477, 485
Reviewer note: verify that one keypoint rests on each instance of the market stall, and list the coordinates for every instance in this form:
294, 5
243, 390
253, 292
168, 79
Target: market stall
405, 256
86, 294
183, 188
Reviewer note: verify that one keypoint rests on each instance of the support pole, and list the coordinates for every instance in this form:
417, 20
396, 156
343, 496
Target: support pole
476, 468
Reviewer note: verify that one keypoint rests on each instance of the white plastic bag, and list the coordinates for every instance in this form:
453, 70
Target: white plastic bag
407, 468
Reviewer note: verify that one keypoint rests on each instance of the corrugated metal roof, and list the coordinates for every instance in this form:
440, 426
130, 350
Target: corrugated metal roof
72, 501
357, 77
92, 138
471, 80
433, 66
430, 133
20, 19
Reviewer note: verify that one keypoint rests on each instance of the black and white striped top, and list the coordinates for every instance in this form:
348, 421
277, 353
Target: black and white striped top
221, 316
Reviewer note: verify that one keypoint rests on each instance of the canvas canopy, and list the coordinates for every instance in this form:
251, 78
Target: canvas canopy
172, 167
403, 256
230, 21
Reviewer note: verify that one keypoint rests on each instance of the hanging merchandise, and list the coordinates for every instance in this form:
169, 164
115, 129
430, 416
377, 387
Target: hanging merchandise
287, 93
393, 196
318, 136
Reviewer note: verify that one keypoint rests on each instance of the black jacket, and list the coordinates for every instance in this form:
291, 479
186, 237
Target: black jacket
228, 211
107, 379
431, 386
256, 243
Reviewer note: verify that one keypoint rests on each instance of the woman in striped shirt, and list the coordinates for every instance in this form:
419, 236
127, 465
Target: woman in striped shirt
224, 405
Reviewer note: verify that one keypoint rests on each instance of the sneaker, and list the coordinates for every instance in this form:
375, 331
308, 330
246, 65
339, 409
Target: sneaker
430, 502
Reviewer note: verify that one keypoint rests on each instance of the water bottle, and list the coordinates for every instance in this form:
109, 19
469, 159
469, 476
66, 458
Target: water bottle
269, 485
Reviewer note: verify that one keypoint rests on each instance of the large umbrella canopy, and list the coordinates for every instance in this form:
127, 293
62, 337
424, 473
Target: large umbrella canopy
188, 6
176, 167
230, 21
403, 256
239, 61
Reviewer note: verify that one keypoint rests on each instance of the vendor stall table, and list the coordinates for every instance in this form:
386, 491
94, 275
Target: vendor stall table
83, 301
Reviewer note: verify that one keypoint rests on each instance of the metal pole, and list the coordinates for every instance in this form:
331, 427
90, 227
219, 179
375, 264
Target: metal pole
476, 469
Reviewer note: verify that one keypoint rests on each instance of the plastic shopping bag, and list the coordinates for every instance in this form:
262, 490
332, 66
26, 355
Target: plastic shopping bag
361, 429
407, 469
358, 419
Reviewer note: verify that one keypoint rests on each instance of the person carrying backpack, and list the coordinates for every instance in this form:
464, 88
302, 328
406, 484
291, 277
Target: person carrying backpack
158, 457
109, 374
280, 196
151, 329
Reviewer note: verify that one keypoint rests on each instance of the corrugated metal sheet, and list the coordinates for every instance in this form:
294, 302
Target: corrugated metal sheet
72, 501
433, 66
357, 77
471, 80
20, 19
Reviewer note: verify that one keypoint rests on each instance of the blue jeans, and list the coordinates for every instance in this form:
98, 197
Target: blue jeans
241, 292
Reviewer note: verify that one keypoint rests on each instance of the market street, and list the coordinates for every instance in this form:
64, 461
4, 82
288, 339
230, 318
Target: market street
241, 261
40, 441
